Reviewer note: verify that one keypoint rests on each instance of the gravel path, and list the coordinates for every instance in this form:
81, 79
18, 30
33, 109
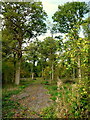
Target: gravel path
32, 101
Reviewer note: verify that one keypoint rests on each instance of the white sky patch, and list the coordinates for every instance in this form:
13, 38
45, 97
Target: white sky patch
42, 37
81, 35
49, 8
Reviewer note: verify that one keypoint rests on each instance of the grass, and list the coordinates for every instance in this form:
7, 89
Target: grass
52, 91
48, 112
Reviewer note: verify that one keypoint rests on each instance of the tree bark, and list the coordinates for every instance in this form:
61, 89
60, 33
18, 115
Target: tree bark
14, 59
32, 75
79, 69
52, 72
42, 72
33, 69
73, 73
17, 75
18, 63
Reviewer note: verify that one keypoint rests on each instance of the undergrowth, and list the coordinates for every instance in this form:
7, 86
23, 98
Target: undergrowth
72, 100
49, 113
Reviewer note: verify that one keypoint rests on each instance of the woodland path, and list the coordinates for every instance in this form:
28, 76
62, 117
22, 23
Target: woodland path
32, 100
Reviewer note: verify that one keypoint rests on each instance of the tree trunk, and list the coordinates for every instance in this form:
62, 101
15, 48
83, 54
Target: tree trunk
89, 58
33, 69
52, 72
73, 73
17, 75
32, 75
42, 72
14, 59
19, 56
79, 69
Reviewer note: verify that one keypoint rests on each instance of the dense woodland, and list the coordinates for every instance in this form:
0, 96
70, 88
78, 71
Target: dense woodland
59, 60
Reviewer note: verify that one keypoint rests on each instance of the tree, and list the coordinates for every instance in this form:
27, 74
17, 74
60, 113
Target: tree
49, 49
23, 20
68, 19
32, 56
86, 30
69, 15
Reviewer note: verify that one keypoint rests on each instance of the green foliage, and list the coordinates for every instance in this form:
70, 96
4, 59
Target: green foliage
52, 91
45, 82
21, 20
69, 15
53, 98
7, 72
48, 112
85, 26
25, 69
8, 105
74, 99
15, 11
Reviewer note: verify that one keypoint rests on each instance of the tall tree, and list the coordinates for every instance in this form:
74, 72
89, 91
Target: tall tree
68, 15
32, 56
86, 30
23, 20
49, 49
68, 19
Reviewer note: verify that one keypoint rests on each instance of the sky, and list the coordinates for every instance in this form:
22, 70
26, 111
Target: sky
50, 7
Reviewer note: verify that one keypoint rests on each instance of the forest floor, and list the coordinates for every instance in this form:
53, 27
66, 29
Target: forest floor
32, 100
40, 99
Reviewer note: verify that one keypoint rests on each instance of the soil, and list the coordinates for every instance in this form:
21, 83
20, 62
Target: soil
32, 100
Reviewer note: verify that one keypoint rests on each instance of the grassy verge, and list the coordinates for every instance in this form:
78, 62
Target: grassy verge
52, 90
49, 112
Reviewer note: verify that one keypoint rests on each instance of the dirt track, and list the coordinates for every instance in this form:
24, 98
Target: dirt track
33, 100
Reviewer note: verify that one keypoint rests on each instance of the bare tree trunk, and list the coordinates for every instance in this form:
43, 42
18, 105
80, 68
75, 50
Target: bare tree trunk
33, 65
42, 72
73, 73
50, 77
17, 75
52, 72
19, 56
79, 69
14, 59
32, 75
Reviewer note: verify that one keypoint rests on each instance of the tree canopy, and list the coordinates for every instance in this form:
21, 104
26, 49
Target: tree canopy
68, 15
22, 20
